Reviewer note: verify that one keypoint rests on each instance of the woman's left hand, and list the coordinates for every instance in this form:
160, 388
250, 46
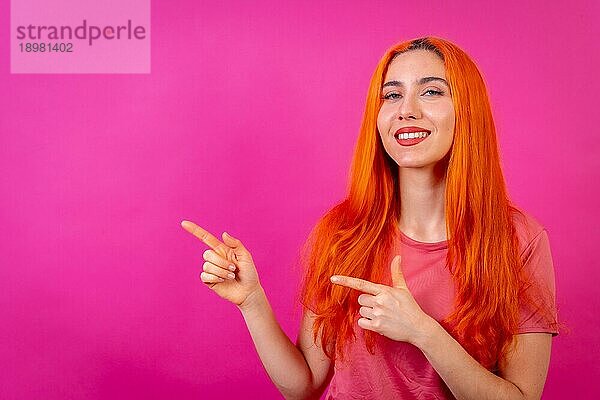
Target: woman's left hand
389, 310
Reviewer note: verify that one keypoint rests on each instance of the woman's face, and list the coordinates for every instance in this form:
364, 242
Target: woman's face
415, 94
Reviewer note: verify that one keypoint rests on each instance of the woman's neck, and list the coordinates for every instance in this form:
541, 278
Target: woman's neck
422, 205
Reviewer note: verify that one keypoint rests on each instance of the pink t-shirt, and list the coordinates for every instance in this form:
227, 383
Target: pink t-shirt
399, 370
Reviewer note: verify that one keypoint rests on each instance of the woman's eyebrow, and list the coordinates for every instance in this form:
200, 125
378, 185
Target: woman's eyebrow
421, 81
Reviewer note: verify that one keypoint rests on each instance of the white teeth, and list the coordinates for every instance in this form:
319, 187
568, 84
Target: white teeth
413, 135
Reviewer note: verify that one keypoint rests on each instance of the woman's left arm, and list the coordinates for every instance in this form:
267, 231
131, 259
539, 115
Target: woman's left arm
393, 312
522, 373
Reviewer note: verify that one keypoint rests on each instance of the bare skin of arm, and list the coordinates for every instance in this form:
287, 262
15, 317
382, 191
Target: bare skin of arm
300, 371
521, 377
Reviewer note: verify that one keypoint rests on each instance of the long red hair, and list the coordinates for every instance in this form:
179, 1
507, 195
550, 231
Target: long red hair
354, 237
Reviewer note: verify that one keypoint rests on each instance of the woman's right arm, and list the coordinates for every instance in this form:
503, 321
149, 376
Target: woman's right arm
300, 371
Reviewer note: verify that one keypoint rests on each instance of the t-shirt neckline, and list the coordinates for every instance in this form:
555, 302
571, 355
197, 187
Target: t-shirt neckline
422, 245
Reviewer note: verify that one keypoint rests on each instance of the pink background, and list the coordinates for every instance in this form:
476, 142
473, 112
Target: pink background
247, 124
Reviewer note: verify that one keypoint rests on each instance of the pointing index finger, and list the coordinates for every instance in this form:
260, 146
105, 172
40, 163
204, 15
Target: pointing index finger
202, 234
357, 283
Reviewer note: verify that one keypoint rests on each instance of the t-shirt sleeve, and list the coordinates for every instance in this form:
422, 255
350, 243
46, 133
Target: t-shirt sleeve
539, 267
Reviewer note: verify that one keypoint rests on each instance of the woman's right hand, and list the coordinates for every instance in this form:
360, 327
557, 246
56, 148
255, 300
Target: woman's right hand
221, 255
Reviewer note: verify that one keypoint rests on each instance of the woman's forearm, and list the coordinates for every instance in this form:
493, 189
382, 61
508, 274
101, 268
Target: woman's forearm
282, 360
464, 376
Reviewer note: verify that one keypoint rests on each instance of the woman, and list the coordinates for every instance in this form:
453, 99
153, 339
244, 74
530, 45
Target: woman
425, 282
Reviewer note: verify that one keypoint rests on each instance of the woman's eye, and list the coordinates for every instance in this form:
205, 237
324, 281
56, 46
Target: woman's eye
390, 96
394, 95
435, 92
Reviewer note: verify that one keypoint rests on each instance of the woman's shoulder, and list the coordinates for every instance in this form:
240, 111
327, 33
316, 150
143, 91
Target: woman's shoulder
529, 229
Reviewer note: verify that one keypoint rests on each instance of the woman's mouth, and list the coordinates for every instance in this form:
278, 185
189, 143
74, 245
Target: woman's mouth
412, 138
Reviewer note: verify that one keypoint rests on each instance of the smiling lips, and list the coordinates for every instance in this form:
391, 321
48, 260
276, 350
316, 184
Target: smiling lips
411, 135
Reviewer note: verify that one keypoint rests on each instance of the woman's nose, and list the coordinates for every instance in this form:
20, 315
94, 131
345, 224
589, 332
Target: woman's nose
409, 107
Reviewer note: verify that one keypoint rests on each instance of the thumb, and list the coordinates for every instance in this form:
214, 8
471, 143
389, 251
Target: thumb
238, 248
397, 275
230, 240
